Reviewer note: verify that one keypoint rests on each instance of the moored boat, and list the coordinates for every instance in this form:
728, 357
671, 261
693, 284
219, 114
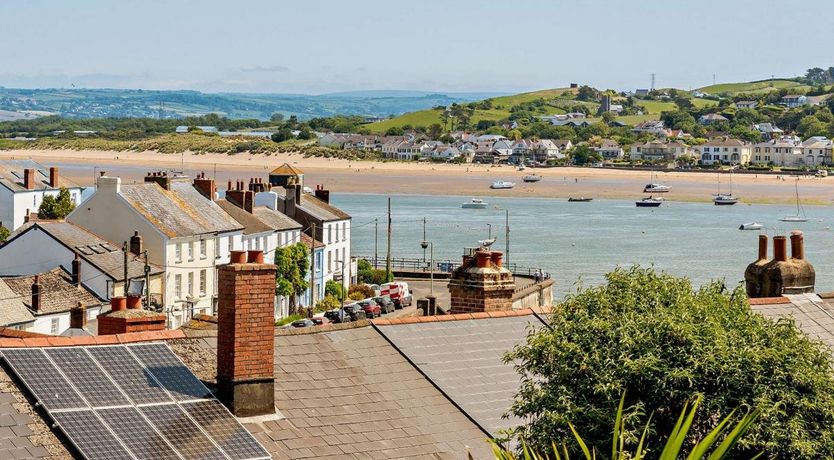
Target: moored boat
580, 199
751, 226
502, 184
649, 202
531, 178
475, 203
656, 188
724, 199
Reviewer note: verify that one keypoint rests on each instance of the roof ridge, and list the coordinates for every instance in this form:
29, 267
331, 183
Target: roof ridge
769, 300
459, 316
61, 341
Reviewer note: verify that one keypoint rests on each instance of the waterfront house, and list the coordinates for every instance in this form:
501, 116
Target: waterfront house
563, 144
24, 184
793, 100
724, 150
817, 151
181, 229
101, 263
544, 150
610, 150
782, 151
657, 150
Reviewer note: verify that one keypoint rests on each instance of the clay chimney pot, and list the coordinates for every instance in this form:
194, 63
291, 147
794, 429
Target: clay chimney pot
780, 248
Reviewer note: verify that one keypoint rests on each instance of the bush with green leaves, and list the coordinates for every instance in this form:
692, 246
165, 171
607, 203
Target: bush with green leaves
4, 234
366, 273
362, 290
335, 289
56, 207
328, 303
291, 277
659, 340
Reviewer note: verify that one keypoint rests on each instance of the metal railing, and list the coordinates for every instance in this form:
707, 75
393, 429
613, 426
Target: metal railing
417, 264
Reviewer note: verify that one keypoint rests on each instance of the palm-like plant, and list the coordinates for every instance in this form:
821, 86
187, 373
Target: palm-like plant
710, 447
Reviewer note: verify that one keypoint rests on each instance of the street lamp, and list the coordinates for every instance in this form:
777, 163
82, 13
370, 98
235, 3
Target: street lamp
428, 244
342, 297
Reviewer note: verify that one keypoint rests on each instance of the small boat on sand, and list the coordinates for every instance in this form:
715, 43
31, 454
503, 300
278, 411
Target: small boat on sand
502, 184
531, 178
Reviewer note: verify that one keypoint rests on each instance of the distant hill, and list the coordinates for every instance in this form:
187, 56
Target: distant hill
384, 93
753, 87
97, 103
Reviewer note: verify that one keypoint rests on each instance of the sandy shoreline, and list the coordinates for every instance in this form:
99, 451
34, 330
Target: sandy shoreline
434, 179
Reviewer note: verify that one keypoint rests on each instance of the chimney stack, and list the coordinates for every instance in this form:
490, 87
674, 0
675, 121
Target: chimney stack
481, 284
76, 271
246, 336
53, 177
323, 194
37, 294
78, 317
122, 320
241, 197
781, 275
29, 179
206, 187
136, 243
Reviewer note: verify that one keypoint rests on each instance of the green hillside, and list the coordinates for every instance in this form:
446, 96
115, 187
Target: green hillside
764, 86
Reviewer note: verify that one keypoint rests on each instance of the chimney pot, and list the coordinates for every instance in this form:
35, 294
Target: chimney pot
762, 247
238, 257
255, 257
133, 302
36, 294
76, 271
498, 258
136, 243
780, 248
483, 259
118, 303
29, 179
797, 245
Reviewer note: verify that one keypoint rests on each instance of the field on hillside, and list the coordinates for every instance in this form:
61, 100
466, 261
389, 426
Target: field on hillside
754, 87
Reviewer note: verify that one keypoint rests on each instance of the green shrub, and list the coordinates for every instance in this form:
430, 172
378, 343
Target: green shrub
363, 290
328, 303
335, 289
288, 319
56, 207
657, 339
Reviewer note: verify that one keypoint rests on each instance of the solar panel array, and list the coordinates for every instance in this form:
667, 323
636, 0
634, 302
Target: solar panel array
134, 401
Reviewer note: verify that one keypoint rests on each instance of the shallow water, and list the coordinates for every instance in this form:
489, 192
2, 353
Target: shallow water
583, 241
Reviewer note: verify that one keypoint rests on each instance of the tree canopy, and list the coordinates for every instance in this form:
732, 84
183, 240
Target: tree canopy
53, 207
660, 341
291, 277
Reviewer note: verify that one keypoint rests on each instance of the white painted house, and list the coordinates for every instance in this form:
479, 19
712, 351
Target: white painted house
182, 230
783, 151
817, 151
23, 184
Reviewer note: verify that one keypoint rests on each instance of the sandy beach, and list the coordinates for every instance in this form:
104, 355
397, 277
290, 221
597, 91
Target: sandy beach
435, 179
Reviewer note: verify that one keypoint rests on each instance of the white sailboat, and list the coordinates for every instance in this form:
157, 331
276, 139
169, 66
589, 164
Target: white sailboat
800, 213
655, 187
724, 199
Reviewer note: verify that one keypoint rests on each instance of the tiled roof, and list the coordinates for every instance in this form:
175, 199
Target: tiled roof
287, 169
308, 240
13, 309
104, 255
464, 358
11, 176
813, 314
181, 211
58, 294
251, 224
275, 219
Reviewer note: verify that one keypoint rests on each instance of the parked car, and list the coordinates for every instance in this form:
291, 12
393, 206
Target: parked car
320, 320
371, 308
354, 311
385, 303
337, 316
303, 323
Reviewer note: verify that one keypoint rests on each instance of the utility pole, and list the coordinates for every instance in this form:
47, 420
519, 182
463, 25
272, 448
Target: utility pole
313, 272
424, 239
388, 255
507, 237
376, 241
124, 286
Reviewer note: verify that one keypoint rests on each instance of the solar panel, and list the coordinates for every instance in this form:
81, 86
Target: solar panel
88, 379
230, 435
181, 432
137, 434
42, 379
170, 371
90, 436
131, 376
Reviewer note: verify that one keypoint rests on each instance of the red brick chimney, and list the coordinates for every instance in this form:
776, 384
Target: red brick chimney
53, 177
206, 187
29, 179
240, 197
481, 284
37, 294
136, 244
245, 335
121, 320
76, 271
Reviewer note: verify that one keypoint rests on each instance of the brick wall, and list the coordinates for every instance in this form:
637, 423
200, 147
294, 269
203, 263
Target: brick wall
476, 289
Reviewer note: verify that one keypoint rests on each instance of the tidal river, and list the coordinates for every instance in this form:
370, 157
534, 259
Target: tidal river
580, 242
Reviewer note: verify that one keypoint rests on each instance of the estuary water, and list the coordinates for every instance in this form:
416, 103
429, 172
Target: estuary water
580, 242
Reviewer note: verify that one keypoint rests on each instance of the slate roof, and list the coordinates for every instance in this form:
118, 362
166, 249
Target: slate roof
465, 360
11, 176
12, 308
58, 294
275, 219
179, 212
251, 224
102, 254
315, 207
813, 314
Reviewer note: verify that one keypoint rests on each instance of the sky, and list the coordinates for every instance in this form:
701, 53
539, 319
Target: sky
318, 46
